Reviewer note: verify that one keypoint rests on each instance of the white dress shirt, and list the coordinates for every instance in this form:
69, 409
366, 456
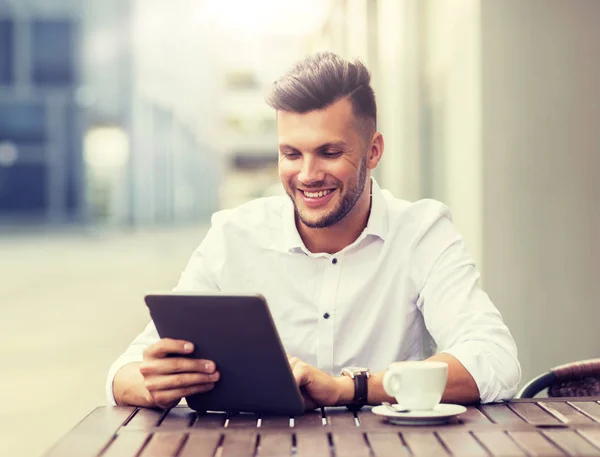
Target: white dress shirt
404, 289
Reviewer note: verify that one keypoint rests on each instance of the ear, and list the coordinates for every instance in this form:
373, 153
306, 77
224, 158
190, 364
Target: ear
375, 151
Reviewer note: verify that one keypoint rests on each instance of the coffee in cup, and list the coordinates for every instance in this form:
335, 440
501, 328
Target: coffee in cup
417, 386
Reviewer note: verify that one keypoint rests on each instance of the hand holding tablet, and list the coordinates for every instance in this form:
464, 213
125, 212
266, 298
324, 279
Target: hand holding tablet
169, 375
238, 334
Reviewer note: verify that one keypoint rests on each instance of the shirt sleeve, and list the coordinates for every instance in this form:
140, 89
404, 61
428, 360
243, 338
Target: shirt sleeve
461, 317
200, 275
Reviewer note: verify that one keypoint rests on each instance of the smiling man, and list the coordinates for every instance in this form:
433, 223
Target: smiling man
355, 278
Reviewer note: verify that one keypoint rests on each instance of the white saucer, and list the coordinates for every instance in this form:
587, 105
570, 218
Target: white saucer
441, 414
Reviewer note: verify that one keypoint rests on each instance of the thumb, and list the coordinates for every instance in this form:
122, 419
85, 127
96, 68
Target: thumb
300, 374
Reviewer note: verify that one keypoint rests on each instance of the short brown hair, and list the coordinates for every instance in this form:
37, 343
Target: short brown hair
321, 80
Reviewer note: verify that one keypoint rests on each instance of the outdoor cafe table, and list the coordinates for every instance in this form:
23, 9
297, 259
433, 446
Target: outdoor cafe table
535, 427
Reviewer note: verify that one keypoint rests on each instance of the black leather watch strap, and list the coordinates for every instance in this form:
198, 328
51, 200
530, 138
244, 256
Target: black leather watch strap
361, 391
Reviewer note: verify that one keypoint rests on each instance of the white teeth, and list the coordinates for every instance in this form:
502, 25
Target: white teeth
317, 194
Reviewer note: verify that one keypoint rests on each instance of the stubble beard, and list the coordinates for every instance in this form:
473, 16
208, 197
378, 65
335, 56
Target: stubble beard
346, 205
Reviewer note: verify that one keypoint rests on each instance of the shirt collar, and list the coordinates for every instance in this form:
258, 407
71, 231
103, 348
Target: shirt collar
376, 226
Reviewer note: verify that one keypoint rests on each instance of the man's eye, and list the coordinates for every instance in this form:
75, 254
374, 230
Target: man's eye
290, 155
332, 154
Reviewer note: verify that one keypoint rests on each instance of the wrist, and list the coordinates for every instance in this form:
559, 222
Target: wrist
345, 390
129, 387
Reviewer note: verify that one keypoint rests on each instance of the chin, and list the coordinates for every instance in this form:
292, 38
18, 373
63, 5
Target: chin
311, 220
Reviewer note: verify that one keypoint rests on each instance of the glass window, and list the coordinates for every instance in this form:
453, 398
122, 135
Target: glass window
53, 53
23, 188
6, 51
22, 123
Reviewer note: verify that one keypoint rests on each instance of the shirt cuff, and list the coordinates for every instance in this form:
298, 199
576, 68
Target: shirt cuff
492, 387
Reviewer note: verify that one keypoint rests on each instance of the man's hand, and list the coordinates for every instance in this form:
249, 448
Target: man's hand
318, 388
169, 379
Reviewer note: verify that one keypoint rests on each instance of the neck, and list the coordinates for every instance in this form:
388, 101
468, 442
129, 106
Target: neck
342, 234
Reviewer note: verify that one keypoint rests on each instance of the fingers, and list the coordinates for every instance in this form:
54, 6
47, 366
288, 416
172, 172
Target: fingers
171, 365
309, 403
300, 370
293, 361
166, 346
169, 398
180, 381
168, 379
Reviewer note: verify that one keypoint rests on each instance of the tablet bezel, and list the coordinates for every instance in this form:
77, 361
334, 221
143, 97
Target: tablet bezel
238, 333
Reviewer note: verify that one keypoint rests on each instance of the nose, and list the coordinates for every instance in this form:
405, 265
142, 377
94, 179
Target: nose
311, 171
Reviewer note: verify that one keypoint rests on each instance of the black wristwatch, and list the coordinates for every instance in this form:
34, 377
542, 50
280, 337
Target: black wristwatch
360, 376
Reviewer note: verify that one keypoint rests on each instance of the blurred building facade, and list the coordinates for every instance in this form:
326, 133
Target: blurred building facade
96, 124
40, 129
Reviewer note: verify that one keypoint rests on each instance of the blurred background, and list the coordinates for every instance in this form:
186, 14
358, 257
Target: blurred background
124, 124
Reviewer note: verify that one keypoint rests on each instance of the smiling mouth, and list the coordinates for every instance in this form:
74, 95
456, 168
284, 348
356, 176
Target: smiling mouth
318, 194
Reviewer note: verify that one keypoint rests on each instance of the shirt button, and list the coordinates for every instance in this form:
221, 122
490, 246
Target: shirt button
326, 315
334, 261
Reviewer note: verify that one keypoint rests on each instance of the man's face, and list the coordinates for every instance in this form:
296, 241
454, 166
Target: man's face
322, 162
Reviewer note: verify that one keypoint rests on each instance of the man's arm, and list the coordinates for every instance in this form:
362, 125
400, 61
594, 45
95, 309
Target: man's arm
322, 389
460, 316
124, 382
460, 388
162, 380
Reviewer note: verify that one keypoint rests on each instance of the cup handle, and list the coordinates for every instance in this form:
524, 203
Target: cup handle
391, 383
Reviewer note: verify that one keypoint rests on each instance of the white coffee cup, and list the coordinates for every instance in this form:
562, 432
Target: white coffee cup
417, 386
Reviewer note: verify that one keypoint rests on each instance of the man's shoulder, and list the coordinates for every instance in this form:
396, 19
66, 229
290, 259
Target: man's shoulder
419, 211
258, 213
414, 218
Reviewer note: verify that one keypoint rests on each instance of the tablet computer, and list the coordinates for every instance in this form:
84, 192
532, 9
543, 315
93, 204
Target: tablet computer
237, 332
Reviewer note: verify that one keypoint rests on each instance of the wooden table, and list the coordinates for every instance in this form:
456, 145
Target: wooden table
542, 427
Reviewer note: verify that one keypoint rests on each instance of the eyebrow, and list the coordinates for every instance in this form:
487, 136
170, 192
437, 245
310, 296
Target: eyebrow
331, 144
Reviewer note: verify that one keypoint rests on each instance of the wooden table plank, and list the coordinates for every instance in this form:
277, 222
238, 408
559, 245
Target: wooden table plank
275, 444
386, 444
533, 414
348, 444
79, 445
164, 444
473, 416
462, 444
275, 423
240, 444
312, 443
203, 444
145, 419
104, 418
559, 399
92, 433
340, 418
210, 421
424, 444
371, 421
127, 444
178, 418
500, 413
499, 443
535, 444
310, 419
243, 421
591, 408
572, 443
592, 435
565, 413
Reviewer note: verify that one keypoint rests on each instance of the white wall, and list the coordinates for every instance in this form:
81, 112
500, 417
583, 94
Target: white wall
452, 137
541, 143
398, 101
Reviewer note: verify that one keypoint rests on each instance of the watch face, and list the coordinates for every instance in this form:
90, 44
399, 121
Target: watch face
353, 371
